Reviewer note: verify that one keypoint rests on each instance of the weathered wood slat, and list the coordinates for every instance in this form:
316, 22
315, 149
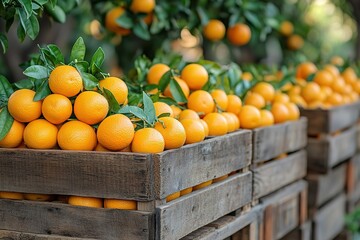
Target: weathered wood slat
275, 174
66, 220
329, 220
283, 210
229, 225
193, 164
323, 187
353, 179
323, 154
331, 120
190, 212
11, 235
270, 142
302, 232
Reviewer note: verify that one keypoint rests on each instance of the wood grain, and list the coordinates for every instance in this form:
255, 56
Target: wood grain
323, 154
331, 120
329, 220
302, 232
72, 221
190, 212
353, 178
275, 174
196, 163
322, 187
95, 174
11, 235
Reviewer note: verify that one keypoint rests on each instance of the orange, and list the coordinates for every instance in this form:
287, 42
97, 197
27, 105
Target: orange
305, 69
156, 72
202, 185
117, 87
264, 89
161, 108
176, 111
101, 148
323, 78
326, 90
11, 195
22, 107
346, 99
91, 107
247, 76
188, 114
115, 132
120, 204
349, 75
186, 191
335, 99
354, 96
173, 196
337, 60
37, 197
112, 25
356, 86
295, 42
40, 134
220, 178
86, 201
334, 71
148, 140
142, 6
234, 104
311, 92
338, 85
255, 99
267, 118
281, 97
217, 124
214, 30
76, 135
194, 129
195, 75
14, 137
286, 87
286, 28
236, 120
65, 80
56, 108
220, 98
148, 18
295, 90
231, 122
280, 112
201, 102
206, 127
183, 85
294, 112
172, 131
249, 117
239, 34
315, 104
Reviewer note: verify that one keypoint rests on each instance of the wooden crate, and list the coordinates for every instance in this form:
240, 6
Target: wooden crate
331, 120
244, 226
270, 142
323, 187
353, 182
285, 210
358, 136
329, 151
141, 177
302, 232
171, 220
13, 235
328, 222
275, 174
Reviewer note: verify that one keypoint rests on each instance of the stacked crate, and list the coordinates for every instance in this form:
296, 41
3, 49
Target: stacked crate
331, 144
146, 178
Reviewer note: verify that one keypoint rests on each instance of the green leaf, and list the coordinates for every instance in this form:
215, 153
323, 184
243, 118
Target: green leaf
42, 91
97, 60
164, 115
125, 21
4, 42
24, 84
202, 15
90, 82
56, 53
78, 50
27, 6
136, 111
30, 25
311, 77
149, 109
37, 72
165, 80
21, 33
82, 66
253, 19
57, 13
6, 121
5, 87
177, 92
141, 30
114, 106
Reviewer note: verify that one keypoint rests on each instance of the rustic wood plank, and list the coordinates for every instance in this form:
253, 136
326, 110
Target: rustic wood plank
322, 187
196, 163
275, 174
323, 154
11, 235
353, 178
358, 136
269, 223
229, 225
72, 221
331, 120
302, 232
104, 175
329, 220
190, 212
296, 137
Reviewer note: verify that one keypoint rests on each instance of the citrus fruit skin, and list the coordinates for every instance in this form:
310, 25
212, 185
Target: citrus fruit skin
120, 204
115, 132
305, 69
14, 137
22, 107
220, 98
11, 195
202, 185
217, 124
286, 28
173, 196
266, 90
156, 72
195, 131
112, 25
250, 117
142, 6
267, 119
117, 87
65, 80
37, 197
255, 99
85, 201
56, 108
280, 112
40, 134
148, 140
183, 85
186, 191
91, 107
188, 114
239, 34
195, 75
295, 42
161, 108
234, 104
172, 131
201, 102
214, 30
76, 135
